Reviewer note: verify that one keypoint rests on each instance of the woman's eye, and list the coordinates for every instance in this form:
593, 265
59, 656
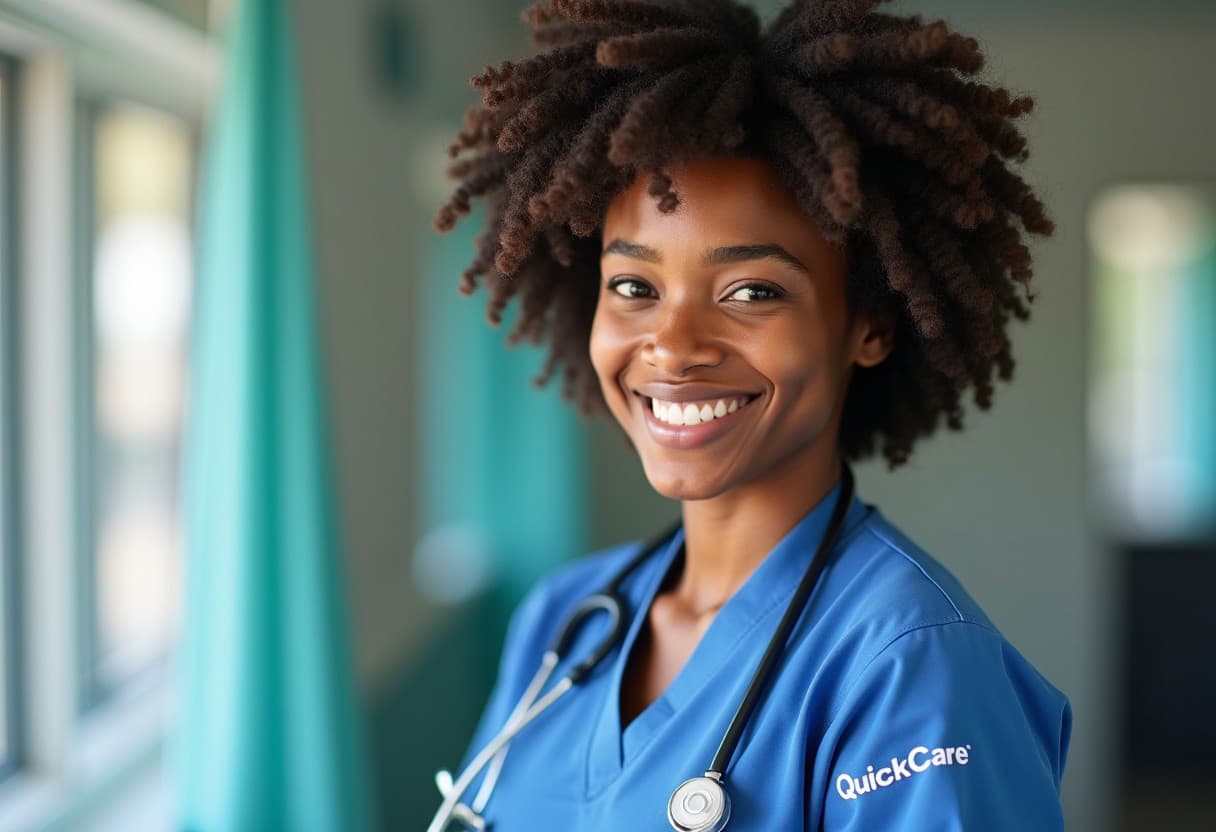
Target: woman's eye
753, 292
629, 288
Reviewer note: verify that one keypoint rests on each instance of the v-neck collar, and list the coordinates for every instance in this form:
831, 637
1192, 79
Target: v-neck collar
769, 586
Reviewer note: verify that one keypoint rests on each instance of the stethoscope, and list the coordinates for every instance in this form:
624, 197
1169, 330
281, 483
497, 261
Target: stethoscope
699, 804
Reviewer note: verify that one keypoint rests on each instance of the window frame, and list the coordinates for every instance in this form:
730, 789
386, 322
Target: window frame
83, 414
10, 461
190, 12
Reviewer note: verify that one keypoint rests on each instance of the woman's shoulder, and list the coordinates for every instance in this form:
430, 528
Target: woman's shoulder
587, 573
894, 601
893, 583
556, 593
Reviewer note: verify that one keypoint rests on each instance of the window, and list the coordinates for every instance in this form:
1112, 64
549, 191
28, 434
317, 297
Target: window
1152, 405
1152, 401
10, 680
95, 287
136, 168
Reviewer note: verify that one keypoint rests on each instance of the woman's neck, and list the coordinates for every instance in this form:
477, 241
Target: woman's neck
728, 536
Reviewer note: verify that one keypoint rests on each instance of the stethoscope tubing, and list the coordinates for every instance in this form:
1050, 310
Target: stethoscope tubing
531, 704
483, 758
793, 611
529, 707
525, 702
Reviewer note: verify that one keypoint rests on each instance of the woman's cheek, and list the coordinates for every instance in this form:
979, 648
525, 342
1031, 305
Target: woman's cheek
609, 351
802, 377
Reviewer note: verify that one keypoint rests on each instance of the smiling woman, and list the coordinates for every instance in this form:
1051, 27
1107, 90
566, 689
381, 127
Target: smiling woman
766, 253
735, 298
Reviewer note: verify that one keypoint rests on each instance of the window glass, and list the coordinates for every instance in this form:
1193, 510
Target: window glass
140, 275
1152, 400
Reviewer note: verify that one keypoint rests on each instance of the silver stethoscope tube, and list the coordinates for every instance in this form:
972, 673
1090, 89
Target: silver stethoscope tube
527, 709
525, 702
699, 804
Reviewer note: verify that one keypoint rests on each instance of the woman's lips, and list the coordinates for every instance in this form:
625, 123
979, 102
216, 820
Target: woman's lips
690, 436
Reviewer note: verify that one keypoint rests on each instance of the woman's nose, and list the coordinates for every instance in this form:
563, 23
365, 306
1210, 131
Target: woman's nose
681, 340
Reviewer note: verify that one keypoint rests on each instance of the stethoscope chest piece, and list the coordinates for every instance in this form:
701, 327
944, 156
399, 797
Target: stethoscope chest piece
700, 804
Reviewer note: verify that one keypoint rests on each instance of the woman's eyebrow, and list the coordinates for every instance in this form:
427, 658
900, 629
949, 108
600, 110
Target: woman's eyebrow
755, 251
713, 257
630, 249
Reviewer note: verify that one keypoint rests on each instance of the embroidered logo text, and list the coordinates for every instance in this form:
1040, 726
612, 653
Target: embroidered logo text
919, 759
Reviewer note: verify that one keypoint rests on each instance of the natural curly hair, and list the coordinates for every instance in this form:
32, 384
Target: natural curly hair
866, 117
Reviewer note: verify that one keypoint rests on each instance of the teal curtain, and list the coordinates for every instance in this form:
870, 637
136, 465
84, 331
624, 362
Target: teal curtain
500, 457
268, 730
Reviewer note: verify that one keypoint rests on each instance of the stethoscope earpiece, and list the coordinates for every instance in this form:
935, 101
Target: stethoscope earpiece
699, 804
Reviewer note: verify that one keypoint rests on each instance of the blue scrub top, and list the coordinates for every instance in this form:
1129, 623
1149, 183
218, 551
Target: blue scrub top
897, 705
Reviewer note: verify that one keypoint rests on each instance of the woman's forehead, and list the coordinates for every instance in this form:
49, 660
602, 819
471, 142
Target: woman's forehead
723, 200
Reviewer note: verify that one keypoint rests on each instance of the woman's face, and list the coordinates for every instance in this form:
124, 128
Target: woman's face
728, 318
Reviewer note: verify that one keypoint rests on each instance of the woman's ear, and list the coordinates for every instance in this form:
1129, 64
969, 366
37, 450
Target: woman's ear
873, 338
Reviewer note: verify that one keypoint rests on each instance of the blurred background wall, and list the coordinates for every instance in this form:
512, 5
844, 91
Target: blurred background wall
1020, 506
1120, 91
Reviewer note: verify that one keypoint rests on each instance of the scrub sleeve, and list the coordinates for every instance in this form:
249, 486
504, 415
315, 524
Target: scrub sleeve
946, 729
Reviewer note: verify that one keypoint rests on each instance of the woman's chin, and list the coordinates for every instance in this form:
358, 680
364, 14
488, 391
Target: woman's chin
684, 485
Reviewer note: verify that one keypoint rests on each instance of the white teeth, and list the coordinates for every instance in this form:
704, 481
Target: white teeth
674, 413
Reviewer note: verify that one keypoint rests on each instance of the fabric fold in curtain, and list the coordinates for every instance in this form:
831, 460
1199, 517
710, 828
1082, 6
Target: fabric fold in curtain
268, 731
